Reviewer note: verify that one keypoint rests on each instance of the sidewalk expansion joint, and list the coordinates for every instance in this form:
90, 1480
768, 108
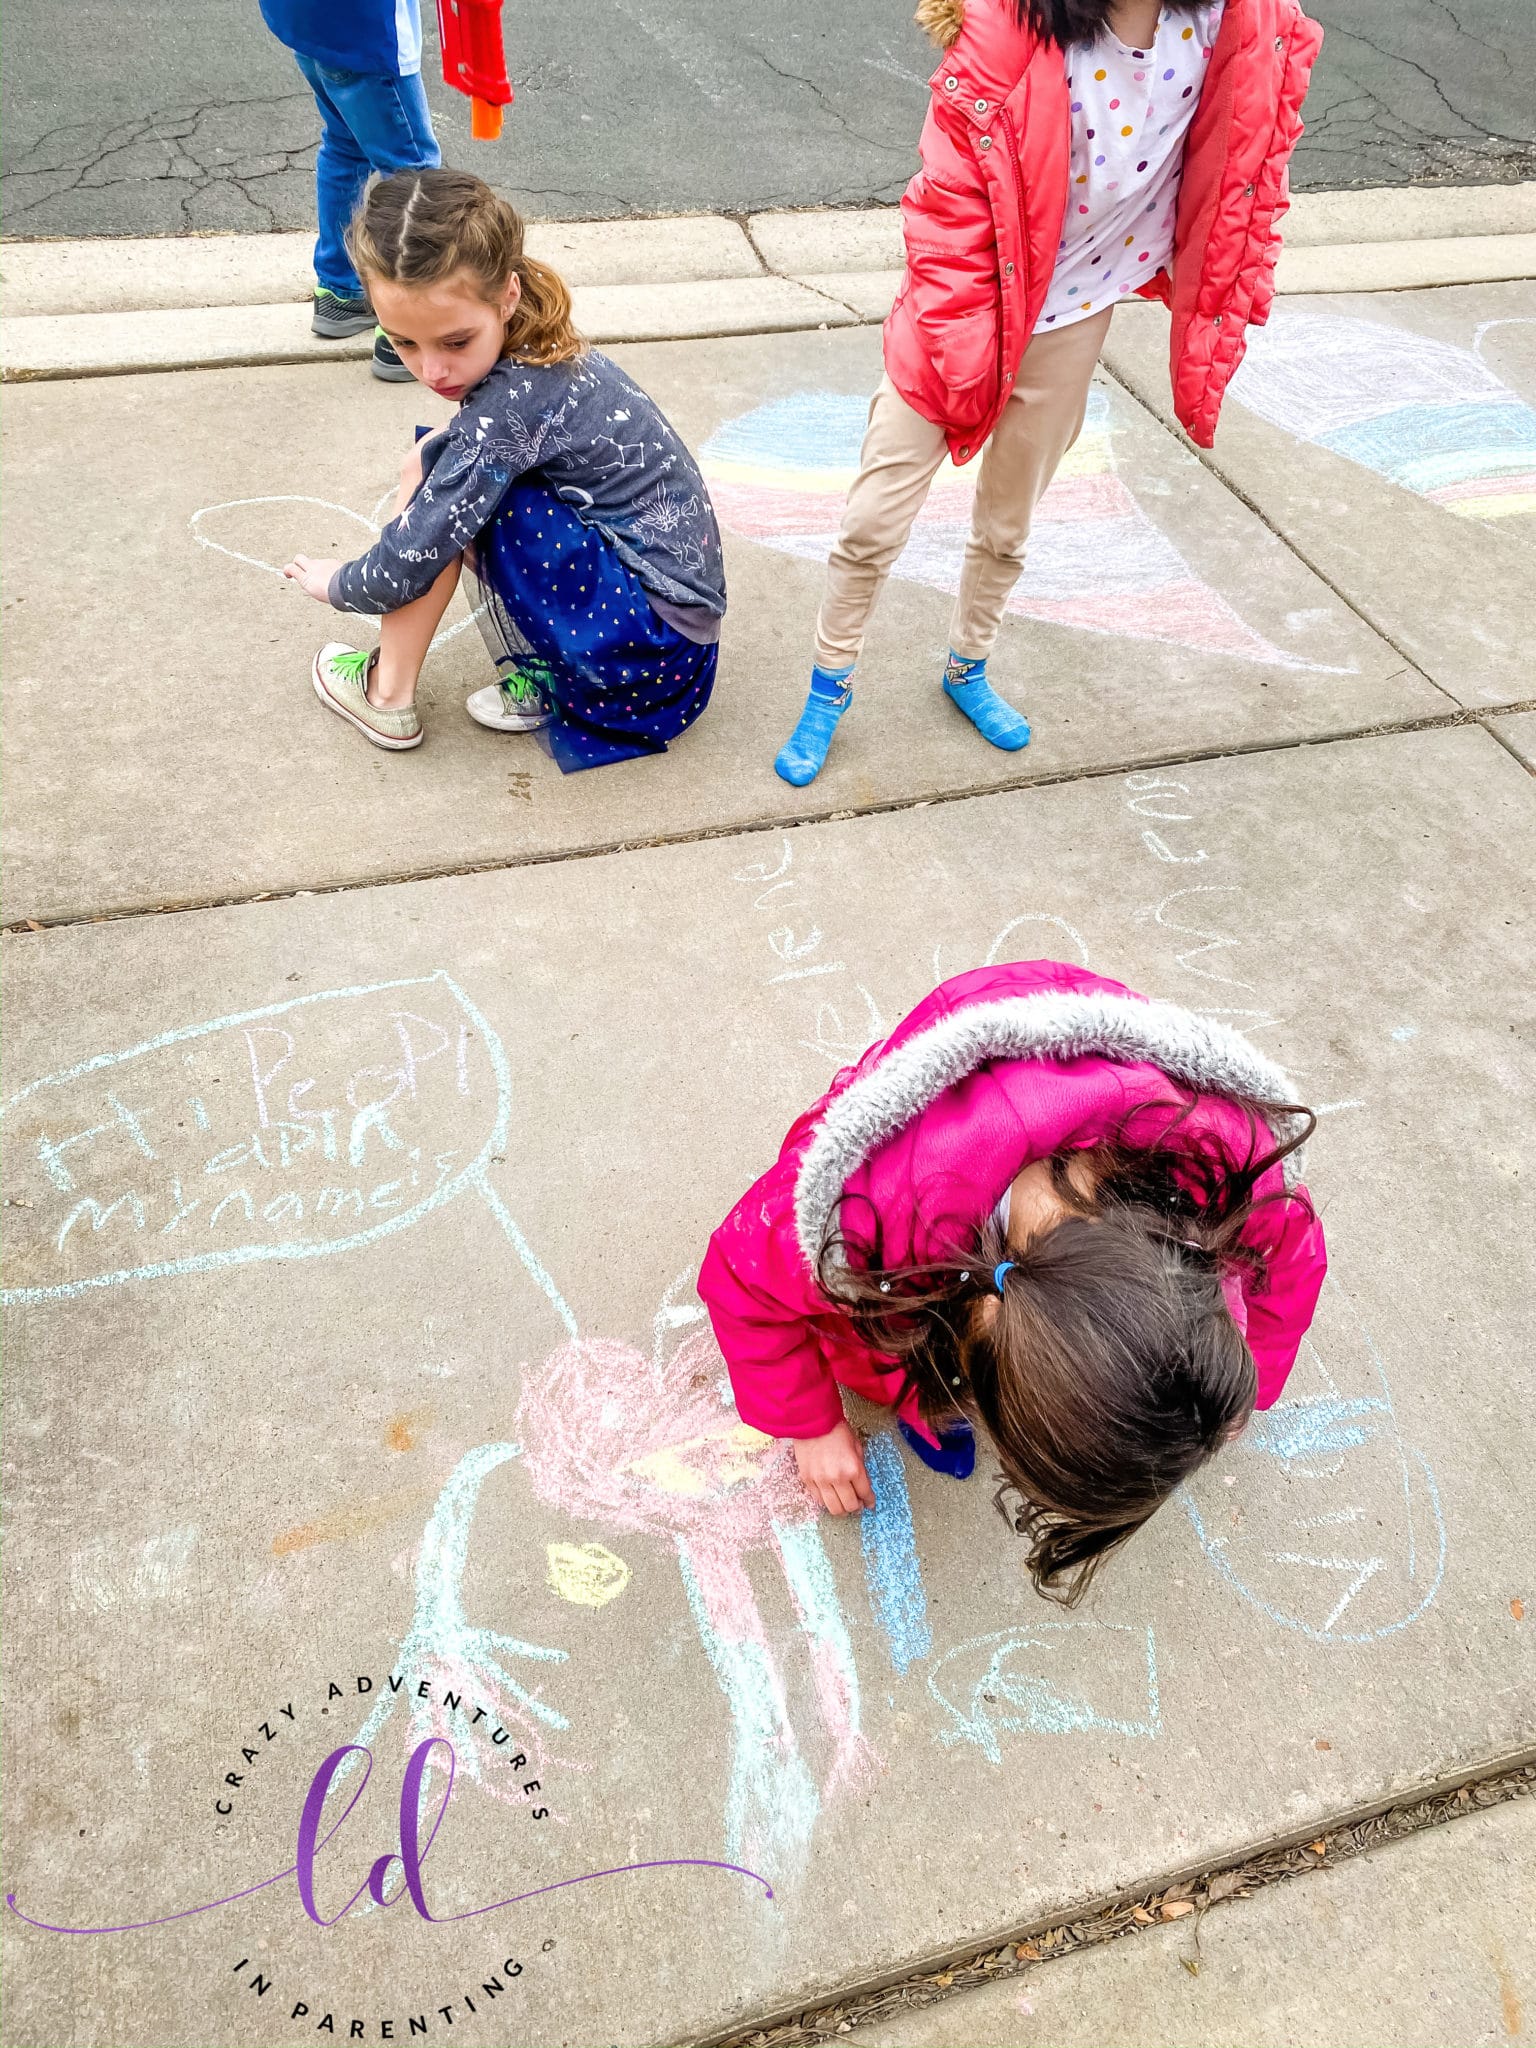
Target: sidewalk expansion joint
1330, 1843
743, 221
1462, 717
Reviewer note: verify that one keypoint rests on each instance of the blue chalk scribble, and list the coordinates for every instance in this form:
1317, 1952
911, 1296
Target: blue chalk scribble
891, 1568
994, 1684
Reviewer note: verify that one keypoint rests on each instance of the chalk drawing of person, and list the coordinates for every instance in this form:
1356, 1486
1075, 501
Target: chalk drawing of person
650, 1445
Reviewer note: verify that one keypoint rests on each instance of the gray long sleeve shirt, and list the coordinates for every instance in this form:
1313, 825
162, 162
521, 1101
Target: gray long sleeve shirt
595, 440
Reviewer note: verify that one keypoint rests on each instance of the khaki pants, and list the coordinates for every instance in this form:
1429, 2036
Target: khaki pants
901, 455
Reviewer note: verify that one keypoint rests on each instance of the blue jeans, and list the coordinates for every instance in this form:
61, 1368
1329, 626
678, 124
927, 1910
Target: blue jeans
367, 124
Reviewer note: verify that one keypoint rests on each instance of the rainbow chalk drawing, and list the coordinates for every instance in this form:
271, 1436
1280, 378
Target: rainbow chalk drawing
779, 475
1334, 1528
1043, 1678
654, 1446
293, 1131
1430, 417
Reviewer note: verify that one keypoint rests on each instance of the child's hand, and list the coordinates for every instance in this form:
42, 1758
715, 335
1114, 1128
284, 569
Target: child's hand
313, 577
832, 1467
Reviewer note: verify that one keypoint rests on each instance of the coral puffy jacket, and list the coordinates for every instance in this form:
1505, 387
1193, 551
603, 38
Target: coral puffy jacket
982, 218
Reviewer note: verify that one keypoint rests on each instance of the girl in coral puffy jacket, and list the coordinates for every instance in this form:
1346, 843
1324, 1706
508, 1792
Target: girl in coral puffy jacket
1044, 1205
1076, 152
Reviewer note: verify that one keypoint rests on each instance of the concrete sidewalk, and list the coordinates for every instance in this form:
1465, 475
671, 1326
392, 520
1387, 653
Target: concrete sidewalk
299, 1459
350, 1325
1232, 640
106, 307
1424, 1944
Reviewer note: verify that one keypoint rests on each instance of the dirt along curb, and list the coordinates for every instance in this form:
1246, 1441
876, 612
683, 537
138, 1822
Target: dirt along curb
1031, 1947
114, 307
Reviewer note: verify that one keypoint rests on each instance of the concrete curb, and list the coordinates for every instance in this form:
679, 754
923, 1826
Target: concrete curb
50, 346
112, 307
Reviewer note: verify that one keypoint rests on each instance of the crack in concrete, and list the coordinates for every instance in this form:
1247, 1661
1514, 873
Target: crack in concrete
1363, 1832
918, 799
192, 158
797, 78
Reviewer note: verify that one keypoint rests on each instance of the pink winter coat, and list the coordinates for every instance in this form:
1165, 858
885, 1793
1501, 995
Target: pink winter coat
997, 1068
982, 218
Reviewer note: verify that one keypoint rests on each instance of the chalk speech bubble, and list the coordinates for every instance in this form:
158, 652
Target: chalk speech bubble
293, 1131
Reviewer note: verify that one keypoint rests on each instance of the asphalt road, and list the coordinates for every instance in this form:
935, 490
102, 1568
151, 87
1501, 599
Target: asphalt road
133, 117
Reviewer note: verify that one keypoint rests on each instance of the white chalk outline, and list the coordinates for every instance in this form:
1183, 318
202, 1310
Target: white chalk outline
475, 1175
439, 639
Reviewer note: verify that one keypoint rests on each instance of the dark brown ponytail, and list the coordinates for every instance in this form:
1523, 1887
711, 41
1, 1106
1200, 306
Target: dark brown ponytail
1107, 1367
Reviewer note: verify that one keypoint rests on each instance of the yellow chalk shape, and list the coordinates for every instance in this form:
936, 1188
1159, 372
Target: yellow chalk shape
586, 1573
704, 1465
1505, 507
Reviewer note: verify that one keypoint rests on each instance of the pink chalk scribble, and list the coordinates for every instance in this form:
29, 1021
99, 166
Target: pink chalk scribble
651, 1446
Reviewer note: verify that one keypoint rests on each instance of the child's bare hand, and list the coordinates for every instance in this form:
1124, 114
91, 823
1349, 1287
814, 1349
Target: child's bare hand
833, 1469
313, 577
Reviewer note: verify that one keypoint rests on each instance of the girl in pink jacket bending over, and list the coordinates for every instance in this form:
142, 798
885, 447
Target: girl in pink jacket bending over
1043, 1204
1076, 152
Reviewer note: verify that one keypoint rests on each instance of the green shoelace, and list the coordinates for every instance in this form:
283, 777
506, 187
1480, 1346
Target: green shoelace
530, 677
352, 667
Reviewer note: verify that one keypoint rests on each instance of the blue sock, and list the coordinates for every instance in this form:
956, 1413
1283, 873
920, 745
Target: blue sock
955, 1452
965, 684
804, 753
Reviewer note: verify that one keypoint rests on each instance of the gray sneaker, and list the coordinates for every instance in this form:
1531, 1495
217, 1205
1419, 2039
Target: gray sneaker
386, 361
334, 317
340, 677
516, 701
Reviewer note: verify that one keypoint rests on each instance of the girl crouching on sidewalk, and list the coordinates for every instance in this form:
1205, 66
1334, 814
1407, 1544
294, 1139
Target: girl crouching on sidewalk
1075, 152
582, 517
1044, 1206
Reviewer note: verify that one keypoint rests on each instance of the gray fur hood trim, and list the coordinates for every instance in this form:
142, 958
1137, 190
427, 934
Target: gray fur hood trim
1054, 1024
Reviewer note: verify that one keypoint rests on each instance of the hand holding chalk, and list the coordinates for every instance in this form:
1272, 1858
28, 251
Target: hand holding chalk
312, 576
833, 1469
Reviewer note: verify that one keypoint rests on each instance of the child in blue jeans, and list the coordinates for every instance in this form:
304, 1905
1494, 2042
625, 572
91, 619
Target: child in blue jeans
362, 61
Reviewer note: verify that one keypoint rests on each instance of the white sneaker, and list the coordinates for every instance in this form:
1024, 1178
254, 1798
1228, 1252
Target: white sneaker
498, 710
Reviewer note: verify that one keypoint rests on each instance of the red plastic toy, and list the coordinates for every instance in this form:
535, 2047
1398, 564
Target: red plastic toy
474, 62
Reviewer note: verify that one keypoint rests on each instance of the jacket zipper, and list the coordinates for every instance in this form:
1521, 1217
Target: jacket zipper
1018, 195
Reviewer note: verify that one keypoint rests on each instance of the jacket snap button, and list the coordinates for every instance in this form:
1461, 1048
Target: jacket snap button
981, 106
1248, 191
966, 450
1007, 270
950, 84
1279, 42
986, 142
1216, 322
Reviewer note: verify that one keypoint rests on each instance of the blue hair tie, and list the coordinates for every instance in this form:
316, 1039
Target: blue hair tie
1005, 1266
